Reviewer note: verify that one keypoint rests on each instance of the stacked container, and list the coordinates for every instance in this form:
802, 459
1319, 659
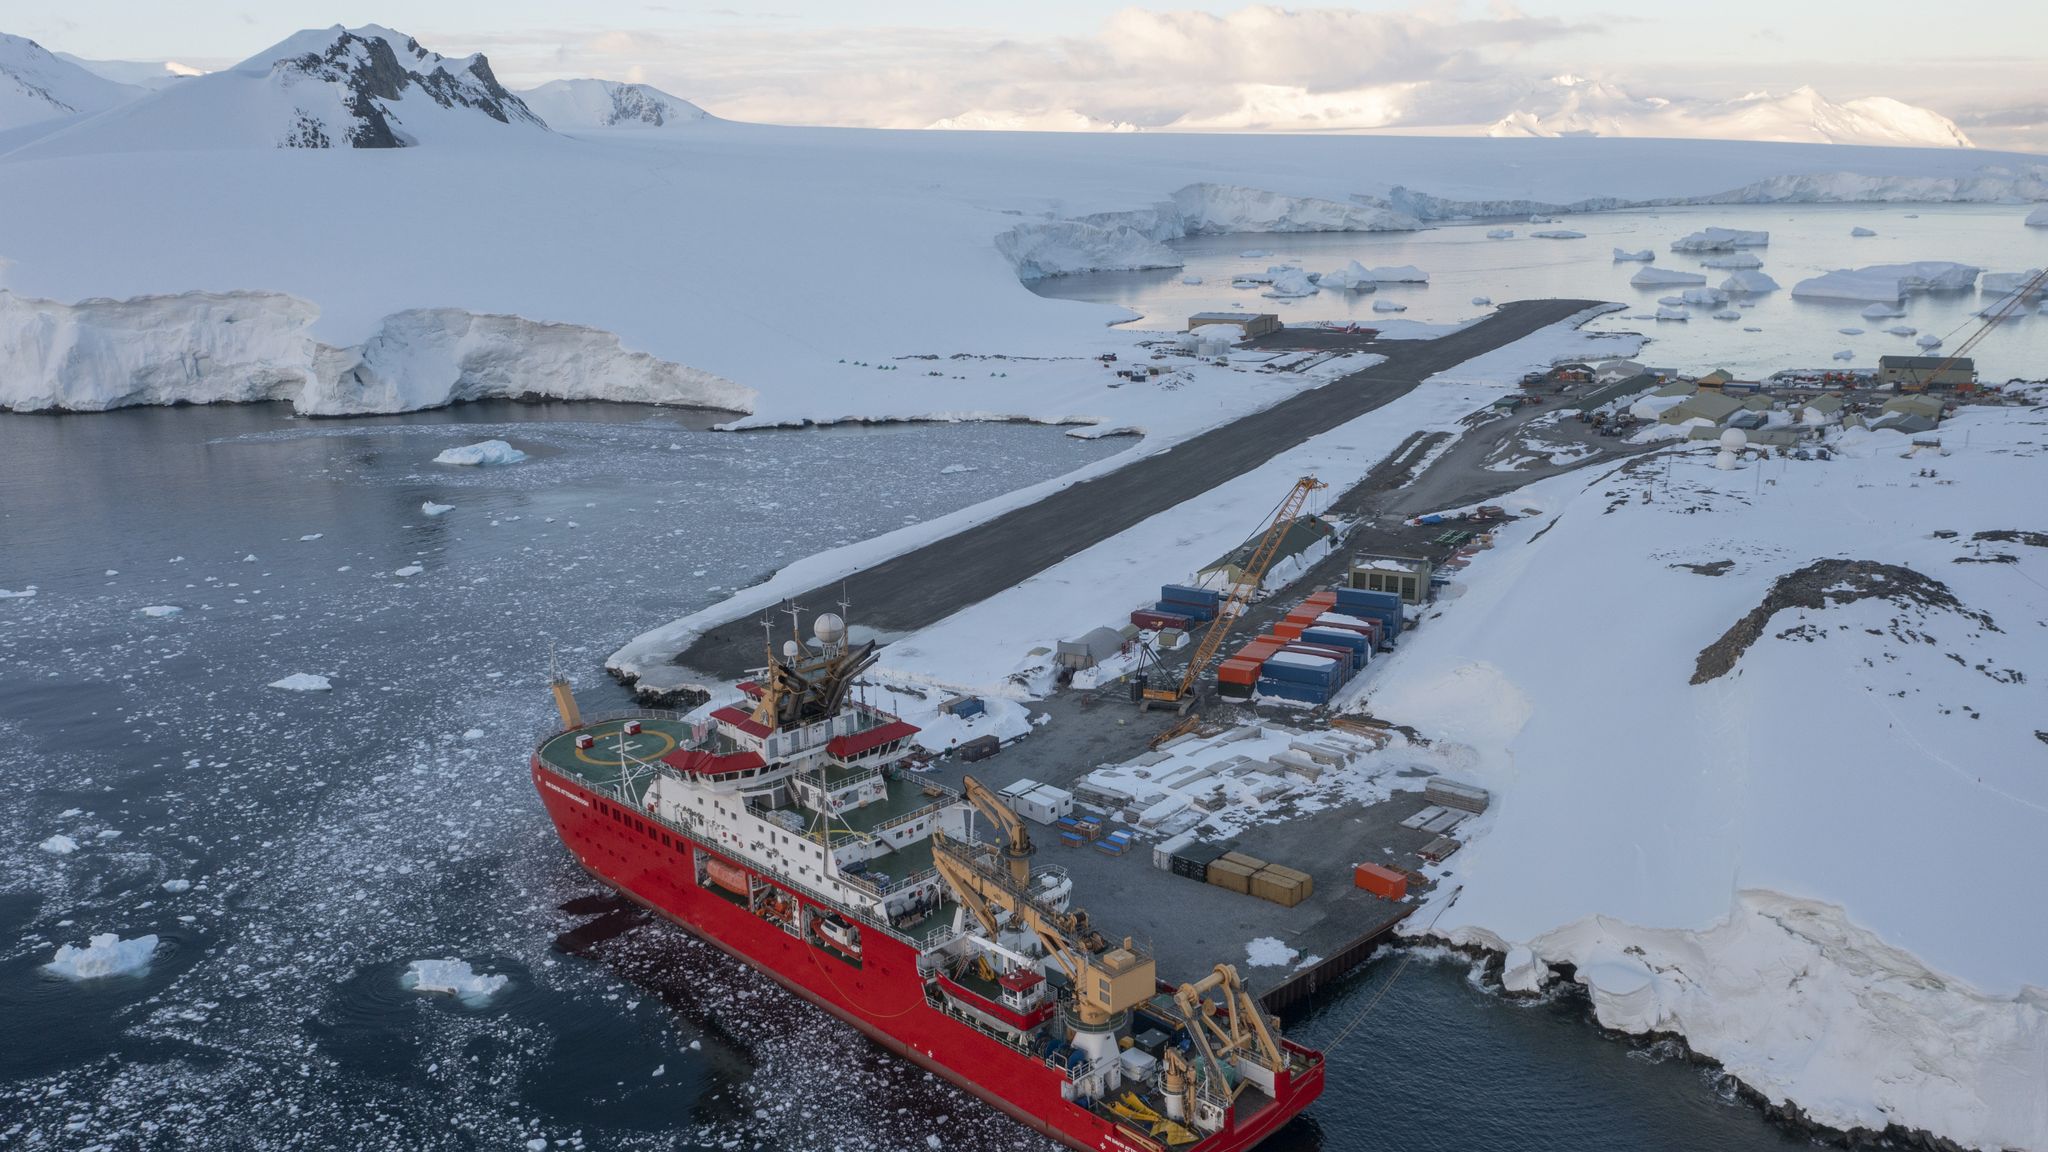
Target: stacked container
1355, 645
1382, 606
1194, 603
1307, 677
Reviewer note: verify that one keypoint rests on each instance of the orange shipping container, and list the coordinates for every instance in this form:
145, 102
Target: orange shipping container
1238, 672
1322, 599
1260, 648
1382, 882
1287, 630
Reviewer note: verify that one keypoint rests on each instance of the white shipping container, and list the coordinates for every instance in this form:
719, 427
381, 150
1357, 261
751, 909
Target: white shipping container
1162, 852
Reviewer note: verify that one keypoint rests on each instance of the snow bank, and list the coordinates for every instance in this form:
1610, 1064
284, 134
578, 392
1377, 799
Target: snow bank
1065, 247
1720, 240
234, 347
302, 682
1887, 282
1748, 282
1644, 255
1268, 952
453, 977
104, 955
1879, 1036
1655, 277
486, 453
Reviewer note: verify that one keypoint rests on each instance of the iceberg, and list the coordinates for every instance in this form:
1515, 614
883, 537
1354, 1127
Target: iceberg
1481, 301
1652, 276
1850, 331
1903, 330
1642, 254
1353, 276
1064, 247
1746, 281
488, 452
1559, 234
1883, 311
1289, 283
433, 509
1500, 233
1860, 230
1397, 274
1672, 301
1733, 260
1720, 240
1388, 306
1191, 279
1887, 282
104, 955
453, 977
1669, 313
1929, 341
302, 682
59, 845
1706, 297
2038, 218
1846, 354
2007, 283
159, 611
1727, 314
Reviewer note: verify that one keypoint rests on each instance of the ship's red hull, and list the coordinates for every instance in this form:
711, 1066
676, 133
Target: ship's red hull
883, 997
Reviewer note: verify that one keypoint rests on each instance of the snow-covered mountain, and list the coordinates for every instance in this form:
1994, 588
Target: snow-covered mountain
1575, 106
580, 105
151, 74
336, 87
35, 85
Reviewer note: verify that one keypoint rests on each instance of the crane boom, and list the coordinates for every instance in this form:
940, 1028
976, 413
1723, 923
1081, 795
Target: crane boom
1240, 595
2012, 303
1017, 848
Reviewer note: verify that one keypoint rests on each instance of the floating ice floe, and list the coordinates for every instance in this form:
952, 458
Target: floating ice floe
1850, 331
1268, 952
1559, 234
433, 509
302, 682
1860, 230
1652, 276
1752, 329
1350, 276
1388, 306
1191, 279
1672, 301
2038, 218
1668, 313
1481, 301
1500, 233
1728, 314
161, 610
177, 885
1929, 341
473, 734
59, 845
1903, 330
409, 570
956, 469
1397, 274
1720, 240
1748, 282
1733, 260
1254, 254
2007, 283
487, 452
1846, 354
1289, 283
311, 536
1883, 311
1888, 282
24, 594
453, 977
104, 955
1705, 297
1642, 254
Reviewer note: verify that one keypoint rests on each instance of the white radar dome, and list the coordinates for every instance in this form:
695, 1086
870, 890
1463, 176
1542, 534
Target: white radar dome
1725, 461
828, 628
1734, 440
790, 650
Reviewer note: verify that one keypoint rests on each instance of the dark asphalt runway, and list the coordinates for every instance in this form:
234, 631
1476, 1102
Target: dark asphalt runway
932, 582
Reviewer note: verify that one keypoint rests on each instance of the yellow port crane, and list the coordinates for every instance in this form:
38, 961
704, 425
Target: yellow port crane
1017, 848
1238, 598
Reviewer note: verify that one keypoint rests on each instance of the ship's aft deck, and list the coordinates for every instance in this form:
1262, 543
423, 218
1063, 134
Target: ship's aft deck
599, 764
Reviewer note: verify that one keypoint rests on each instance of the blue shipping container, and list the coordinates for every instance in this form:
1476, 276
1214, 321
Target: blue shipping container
1366, 598
972, 706
1354, 642
1287, 690
1183, 594
1323, 672
1191, 611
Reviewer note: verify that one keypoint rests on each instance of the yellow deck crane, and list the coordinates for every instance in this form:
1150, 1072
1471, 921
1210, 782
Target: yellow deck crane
1017, 848
1237, 599
2014, 303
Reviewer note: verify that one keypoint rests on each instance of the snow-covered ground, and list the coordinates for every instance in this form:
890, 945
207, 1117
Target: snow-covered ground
1813, 857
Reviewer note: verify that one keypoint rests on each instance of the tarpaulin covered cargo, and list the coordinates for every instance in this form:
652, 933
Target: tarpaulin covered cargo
1088, 651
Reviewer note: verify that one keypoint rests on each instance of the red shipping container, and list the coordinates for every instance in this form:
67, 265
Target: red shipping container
1384, 883
1322, 599
1156, 621
1342, 656
1238, 672
1287, 630
1304, 613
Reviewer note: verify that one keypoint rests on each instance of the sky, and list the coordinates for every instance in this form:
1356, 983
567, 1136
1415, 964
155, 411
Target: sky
1069, 63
